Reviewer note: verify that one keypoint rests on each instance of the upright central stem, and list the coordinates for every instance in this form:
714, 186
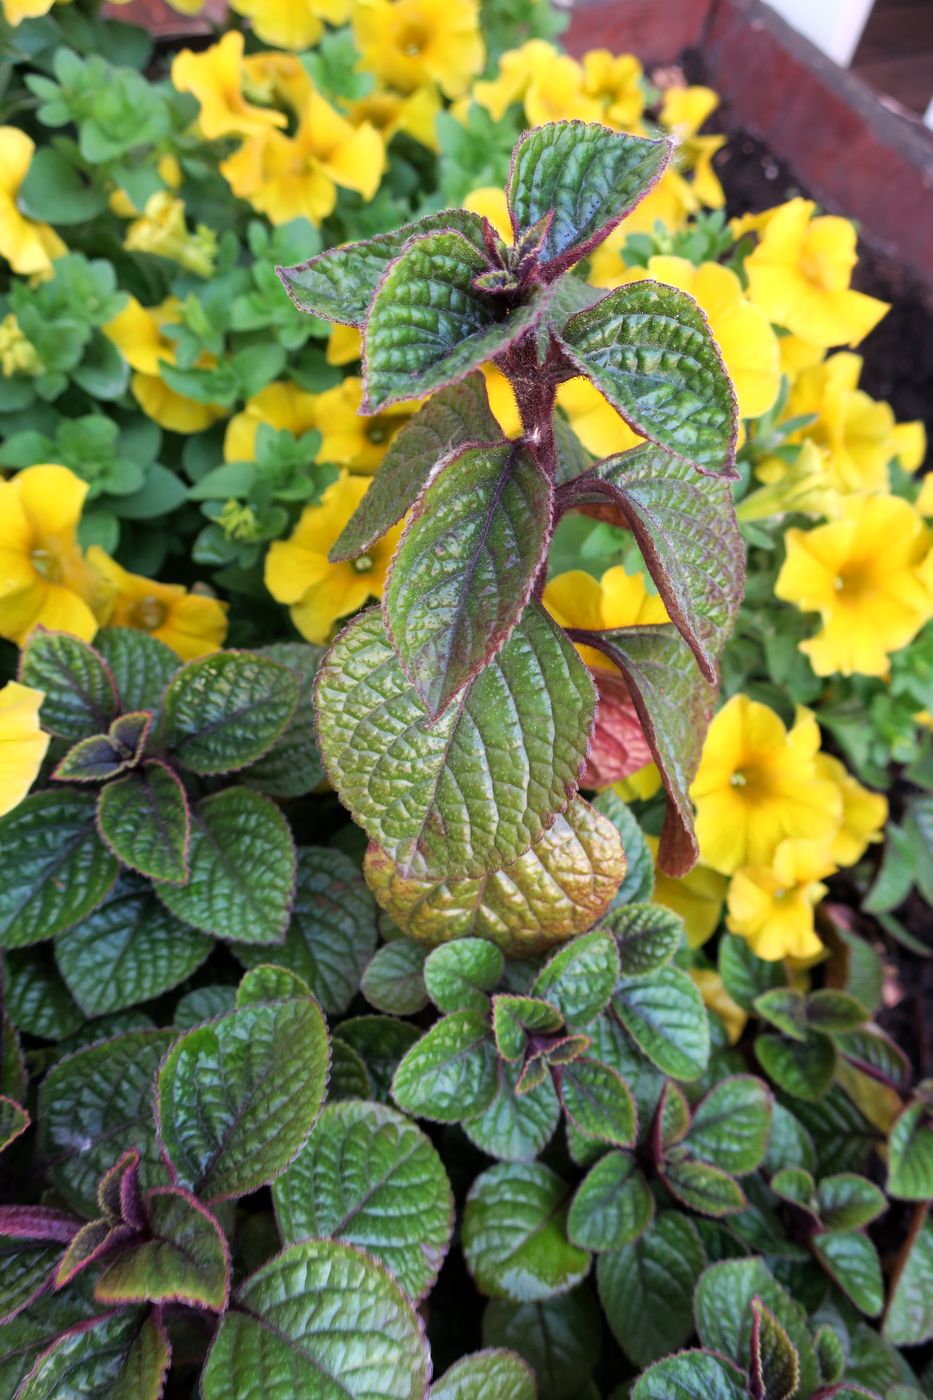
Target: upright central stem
535, 390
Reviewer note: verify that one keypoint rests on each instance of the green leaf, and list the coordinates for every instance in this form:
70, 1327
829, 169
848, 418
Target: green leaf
381, 1042
786, 1009
909, 1318
847, 1201
731, 1124
559, 1338
91, 760
686, 529
587, 177
141, 665
647, 936
465, 566
56, 868
242, 863
851, 1260
54, 192
514, 1017
349, 1077
724, 1319
674, 705
484, 1374
332, 932
515, 1128
648, 348
613, 1205
803, 1069
238, 1097
369, 1177
127, 951
266, 982
664, 1014
646, 1288
870, 1051
393, 981
693, 1375
788, 1142
144, 820
413, 783
834, 1013
100, 1099
80, 696
450, 1073
185, 1260
319, 1319
14, 1120
35, 996
27, 1270
454, 416
745, 976
514, 1234
638, 885
338, 285
428, 325
830, 1353
910, 1154
293, 765
458, 975
701, 1187
597, 1102
223, 711
560, 886
580, 978
121, 1356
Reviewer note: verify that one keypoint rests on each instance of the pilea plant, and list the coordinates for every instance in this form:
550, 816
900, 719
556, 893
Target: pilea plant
455, 723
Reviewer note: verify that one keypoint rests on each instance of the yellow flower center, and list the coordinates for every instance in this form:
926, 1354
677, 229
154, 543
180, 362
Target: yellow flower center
753, 782
46, 564
376, 434
738, 779
412, 40
148, 614
853, 583
364, 564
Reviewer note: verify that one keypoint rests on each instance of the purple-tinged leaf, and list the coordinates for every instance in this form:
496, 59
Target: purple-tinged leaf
692, 1375
613, 1205
129, 732
14, 1120
852, 1262
909, 1317
618, 747
872, 1052
80, 695
91, 760
597, 1101
515, 1019
144, 820
41, 1223
118, 1193
700, 1187
123, 1355
185, 1260
92, 1243
465, 566
141, 665
775, 1368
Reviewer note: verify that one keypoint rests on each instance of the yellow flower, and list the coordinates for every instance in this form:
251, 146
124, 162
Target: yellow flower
22, 743
28, 247
275, 78
44, 579
192, 624
17, 354
864, 813
910, 444
743, 333
349, 439
291, 24
215, 78
161, 230
697, 897
299, 573
15, 11
861, 574
758, 784
683, 112
640, 785
924, 503
490, 202
616, 82
502, 402
797, 354
618, 599
169, 172
344, 345
407, 44
800, 273
289, 177
390, 113
137, 331
715, 996
772, 906
595, 422
282, 405
804, 485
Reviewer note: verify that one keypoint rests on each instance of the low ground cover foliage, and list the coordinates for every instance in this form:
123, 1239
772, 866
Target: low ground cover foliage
461, 621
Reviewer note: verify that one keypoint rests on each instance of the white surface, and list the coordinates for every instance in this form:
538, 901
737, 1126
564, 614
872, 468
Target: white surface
928, 117
835, 26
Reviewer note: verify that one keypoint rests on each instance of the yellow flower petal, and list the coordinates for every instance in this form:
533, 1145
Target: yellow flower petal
23, 745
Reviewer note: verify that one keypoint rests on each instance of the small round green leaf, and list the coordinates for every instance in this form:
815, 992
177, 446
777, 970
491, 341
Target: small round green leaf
731, 1124
141, 665
515, 1128
647, 936
486, 1374
80, 695
293, 765
693, 1375
459, 975
144, 819
851, 1260
802, 1068
223, 711
613, 1205
646, 1288
514, 1234
450, 1073
663, 1012
393, 981
597, 1102
580, 978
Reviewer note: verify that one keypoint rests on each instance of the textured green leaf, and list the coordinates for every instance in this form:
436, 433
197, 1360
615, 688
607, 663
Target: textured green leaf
238, 1097
92, 760
14, 1120
381, 1042
35, 996
797, 1186
847, 1201
144, 820
454, 416
515, 1017
745, 976
788, 1142
450, 1073
613, 1205
349, 1077
96, 1104
56, 868
804, 1069
319, 1320
648, 348
647, 936
731, 1124
701, 1187
141, 665
332, 932
203, 1004
686, 529
852, 1262
559, 1338
597, 1102
470, 792
514, 1234
24, 1339
909, 1318
185, 1261
465, 566
242, 863
834, 1013
394, 978
664, 1014
515, 1128
484, 1374
293, 765
560, 886
369, 1177
786, 1009
580, 978
428, 325
693, 1375
121, 1356
266, 982
459, 975
723, 1311
910, 1154
674, 705
646, 1288
223, 711
26, 1271
871, 1052
127, 951
830, 1353
80, 695
587, 177
338, 285
638, 885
